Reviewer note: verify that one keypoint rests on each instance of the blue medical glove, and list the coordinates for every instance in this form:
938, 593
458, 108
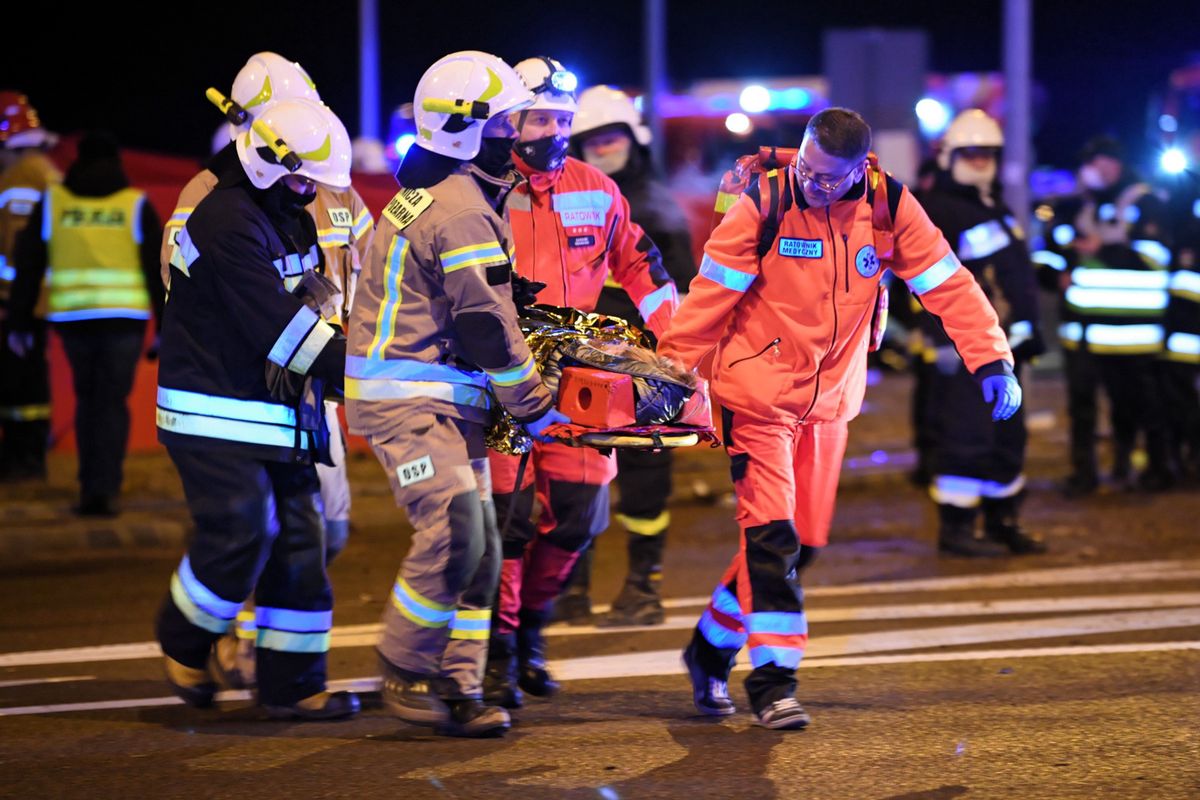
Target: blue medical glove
551, 417
1005, 391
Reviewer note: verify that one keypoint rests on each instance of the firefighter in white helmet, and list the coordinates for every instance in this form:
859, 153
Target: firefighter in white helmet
977, 464
432, 330
244, 364
344, 227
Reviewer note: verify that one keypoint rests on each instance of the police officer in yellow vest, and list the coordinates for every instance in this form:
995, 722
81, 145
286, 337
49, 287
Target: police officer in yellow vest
95, 241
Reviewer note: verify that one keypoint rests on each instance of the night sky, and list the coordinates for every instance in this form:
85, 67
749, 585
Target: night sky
1097, 63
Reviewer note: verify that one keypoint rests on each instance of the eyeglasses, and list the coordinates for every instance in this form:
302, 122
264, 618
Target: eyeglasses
805, 175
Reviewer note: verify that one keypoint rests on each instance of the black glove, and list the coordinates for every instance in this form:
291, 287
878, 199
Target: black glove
524, 292
1030, 348
152, 352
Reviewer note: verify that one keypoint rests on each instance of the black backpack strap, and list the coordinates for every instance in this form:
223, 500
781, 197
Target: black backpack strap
894, 188
778, 200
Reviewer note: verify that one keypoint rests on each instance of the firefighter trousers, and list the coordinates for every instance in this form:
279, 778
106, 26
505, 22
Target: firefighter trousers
258, 529
437, 621
571, 485
974, 456
785, 477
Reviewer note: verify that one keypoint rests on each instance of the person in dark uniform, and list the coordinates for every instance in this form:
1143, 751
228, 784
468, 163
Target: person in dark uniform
244, 365
978, 464
94, 244
1107, 255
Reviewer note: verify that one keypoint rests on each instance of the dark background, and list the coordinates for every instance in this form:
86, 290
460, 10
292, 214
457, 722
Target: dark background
1096, 64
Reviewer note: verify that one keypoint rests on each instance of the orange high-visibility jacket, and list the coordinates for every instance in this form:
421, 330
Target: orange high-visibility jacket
790, 329
571, 227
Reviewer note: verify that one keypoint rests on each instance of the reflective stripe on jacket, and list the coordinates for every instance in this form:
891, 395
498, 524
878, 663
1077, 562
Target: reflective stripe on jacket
572, 228
433, 321
790, 331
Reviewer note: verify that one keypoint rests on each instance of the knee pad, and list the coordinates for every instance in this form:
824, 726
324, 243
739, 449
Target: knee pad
467, 540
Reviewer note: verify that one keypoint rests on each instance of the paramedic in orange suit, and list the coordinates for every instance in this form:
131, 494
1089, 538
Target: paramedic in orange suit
571, 227
790, 332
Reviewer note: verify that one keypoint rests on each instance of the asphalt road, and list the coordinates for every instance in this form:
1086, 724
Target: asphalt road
1075, 674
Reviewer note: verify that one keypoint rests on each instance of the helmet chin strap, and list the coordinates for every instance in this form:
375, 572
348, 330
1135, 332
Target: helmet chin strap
496, 188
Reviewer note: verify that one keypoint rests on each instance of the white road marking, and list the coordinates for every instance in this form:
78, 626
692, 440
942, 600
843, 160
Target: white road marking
36, 681
664, 662
366, 634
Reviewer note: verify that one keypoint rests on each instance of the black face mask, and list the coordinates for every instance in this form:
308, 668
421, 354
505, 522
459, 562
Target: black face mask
279, 200
546, 154
495, 156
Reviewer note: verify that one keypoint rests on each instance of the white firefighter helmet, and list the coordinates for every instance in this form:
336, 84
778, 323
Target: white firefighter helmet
971, 128
458, 94
552, 84
311, 131
601, 106
268, 78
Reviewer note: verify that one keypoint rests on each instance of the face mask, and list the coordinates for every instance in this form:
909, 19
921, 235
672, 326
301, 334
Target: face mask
1091, 178
968, 174
279, 200
611, 162
546, 154
495, 156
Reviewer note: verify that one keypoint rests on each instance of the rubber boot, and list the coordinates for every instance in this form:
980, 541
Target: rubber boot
500, 678
639, 602
532, 676
1000, 524
957, 535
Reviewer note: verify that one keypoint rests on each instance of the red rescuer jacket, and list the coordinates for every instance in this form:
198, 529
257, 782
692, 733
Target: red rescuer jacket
571, 228
790, 330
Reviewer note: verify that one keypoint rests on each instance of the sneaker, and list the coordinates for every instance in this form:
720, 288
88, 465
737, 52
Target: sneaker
472, 719
710, 693
320, 706
783, 715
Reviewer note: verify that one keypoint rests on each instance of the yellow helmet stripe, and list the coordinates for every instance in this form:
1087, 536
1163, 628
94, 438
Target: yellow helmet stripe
263, 95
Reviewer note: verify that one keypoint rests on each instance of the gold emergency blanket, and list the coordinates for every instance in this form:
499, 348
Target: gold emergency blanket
555, 334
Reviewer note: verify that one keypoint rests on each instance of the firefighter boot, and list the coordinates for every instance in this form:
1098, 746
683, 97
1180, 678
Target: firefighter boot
411, 697
319, 706
500, 678
574, 606
196, 687
957, 535
1000, 524
639, 602
532, 676
472, 719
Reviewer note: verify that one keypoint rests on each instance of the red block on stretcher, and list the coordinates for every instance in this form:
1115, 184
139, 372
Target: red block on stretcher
596, 398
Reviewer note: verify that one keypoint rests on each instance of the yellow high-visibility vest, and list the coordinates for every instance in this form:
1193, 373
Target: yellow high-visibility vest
93, 261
